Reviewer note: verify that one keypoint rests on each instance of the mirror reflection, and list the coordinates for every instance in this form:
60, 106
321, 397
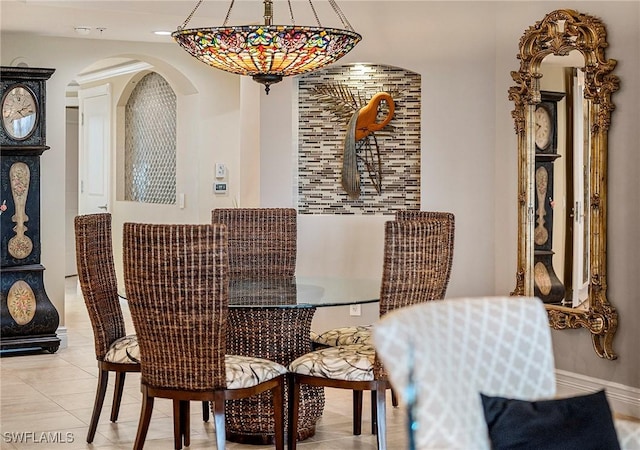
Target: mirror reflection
561, 225
562, 115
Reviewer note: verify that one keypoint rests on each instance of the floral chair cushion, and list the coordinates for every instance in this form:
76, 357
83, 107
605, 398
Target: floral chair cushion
344, 336
124, 351
242, 371
347, 362
245, 371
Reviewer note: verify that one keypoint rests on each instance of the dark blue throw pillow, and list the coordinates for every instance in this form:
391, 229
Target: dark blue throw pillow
575, 423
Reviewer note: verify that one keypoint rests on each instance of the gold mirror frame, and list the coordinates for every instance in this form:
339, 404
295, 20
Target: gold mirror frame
560, 32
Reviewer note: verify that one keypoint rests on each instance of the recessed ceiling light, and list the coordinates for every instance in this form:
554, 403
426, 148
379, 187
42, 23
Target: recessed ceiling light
162, 33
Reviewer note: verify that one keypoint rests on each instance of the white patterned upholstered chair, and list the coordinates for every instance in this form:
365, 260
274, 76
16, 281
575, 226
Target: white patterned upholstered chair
177, 281
440, 356
116, 351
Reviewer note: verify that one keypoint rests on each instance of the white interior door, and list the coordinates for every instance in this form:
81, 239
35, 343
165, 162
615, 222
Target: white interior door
581, 196
71, 186
94, 149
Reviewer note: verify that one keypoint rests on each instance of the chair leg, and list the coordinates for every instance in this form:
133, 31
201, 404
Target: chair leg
357, 413
177, 425
117, 395
145, 419
185, 422
381, 409
205, 411
103, 378
219, 418
374, 412
278, 413
181, 424
374, 420
294, 402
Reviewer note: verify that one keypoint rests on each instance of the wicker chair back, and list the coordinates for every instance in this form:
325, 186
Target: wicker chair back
418, 255
262, 241
177, 281
97, 277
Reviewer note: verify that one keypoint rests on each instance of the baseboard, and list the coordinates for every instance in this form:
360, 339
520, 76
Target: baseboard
61, 332
623, 399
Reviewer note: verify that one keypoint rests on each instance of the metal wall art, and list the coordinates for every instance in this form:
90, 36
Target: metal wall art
361, 123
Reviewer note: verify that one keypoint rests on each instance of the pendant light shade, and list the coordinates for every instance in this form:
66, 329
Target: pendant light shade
268, 52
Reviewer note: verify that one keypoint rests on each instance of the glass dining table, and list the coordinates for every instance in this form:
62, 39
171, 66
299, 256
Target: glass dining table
271, 318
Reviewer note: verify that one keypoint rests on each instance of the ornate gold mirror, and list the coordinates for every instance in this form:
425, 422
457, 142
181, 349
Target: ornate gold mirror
562, 116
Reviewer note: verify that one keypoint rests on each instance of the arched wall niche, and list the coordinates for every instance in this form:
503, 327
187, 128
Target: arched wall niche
387, 159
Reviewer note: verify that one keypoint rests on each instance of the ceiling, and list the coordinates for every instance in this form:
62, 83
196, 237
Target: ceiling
136, 20
119, 20
128, 20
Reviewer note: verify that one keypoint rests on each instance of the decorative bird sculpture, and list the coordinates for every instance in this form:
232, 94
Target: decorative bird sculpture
361, 124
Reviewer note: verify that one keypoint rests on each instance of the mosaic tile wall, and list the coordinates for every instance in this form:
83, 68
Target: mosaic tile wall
320, 142
150, 142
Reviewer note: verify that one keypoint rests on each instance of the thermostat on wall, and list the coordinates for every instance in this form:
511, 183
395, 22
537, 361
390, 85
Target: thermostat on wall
220, 187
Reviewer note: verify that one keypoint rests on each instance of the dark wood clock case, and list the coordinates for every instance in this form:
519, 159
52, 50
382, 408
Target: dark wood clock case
547, 285
28, 318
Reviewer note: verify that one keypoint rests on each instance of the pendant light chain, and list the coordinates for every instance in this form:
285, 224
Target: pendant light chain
315, 13
340, 14
293, 21
333, 4
186, 21
226, 18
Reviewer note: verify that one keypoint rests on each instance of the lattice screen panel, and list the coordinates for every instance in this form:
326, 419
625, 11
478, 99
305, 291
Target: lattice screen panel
150, 142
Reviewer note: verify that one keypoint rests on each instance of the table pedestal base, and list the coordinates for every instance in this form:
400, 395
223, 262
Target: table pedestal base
265, 439
281, 335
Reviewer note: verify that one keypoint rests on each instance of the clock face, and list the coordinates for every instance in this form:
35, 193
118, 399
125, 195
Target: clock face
543, 127
19, 112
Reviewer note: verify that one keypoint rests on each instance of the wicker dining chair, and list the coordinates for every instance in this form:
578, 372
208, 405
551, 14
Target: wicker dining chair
262, 244
414, 254
424, 279
115, 350
435, 289
177, 282
262, 241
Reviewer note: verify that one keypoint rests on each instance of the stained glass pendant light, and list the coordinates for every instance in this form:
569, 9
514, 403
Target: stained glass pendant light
268, 52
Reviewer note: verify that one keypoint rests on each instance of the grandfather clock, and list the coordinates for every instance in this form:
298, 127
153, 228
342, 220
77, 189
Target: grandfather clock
547, 285
28, 318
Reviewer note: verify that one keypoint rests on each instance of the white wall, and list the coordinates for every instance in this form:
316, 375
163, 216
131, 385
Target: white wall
207, 132
465, 52
573, 348
458, 103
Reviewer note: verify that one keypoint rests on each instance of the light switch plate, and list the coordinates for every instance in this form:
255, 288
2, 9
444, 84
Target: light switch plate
220, 170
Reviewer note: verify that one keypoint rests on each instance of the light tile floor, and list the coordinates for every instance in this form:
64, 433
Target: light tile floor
50, 397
